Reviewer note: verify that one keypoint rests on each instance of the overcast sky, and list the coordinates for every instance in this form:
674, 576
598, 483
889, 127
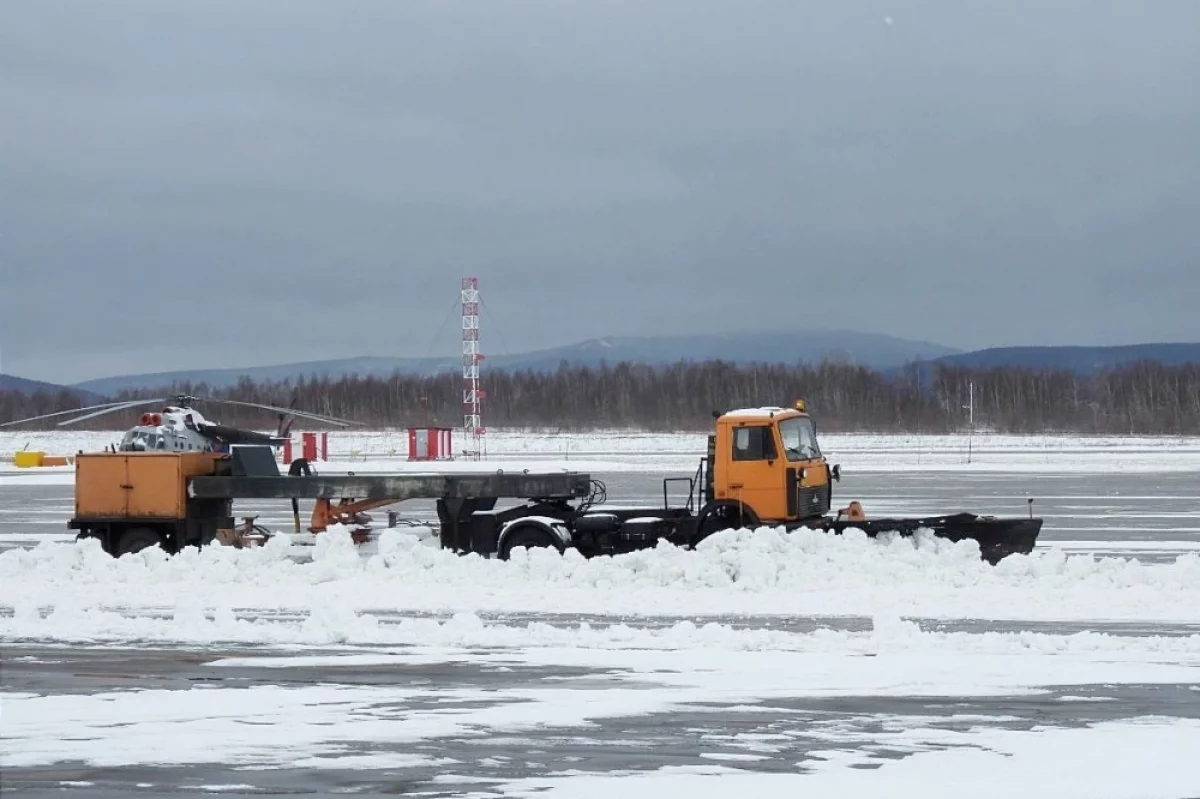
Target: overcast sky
238, 182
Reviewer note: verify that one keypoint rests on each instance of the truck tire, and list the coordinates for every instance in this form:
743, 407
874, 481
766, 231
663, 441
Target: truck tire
528, 536
135, 539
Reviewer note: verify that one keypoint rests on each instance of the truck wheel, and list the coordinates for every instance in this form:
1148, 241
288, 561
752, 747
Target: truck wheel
135, 539
528, 537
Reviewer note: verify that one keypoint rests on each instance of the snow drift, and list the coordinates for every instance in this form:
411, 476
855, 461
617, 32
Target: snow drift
764, 571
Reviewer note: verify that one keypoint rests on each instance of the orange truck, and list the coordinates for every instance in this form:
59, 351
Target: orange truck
764, 467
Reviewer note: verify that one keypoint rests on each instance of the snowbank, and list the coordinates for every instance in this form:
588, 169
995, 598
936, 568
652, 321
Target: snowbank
765, 571
618, 450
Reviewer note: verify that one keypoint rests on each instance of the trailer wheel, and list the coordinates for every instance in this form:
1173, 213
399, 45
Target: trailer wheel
528, 537
135, 539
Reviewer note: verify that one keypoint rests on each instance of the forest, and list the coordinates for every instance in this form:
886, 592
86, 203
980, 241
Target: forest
1143, 398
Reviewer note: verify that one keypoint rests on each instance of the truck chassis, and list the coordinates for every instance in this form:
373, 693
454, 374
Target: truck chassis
250, 472
562, 510
594, 528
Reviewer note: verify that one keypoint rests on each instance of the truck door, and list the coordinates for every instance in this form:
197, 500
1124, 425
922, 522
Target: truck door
755, 475
806, 474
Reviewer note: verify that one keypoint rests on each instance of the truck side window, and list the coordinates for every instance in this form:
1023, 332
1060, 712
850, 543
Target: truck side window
753, 444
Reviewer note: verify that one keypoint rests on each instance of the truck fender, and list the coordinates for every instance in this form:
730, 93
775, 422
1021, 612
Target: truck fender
553, 528
722, 513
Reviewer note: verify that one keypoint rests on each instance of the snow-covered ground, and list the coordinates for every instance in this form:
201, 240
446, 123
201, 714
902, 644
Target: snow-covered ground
762, 572
627, 451
763, 663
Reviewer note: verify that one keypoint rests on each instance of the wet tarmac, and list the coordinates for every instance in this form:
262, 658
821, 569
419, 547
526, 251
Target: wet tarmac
783, 735
1143, 516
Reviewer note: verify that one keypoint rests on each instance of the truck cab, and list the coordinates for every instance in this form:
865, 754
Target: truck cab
767, 462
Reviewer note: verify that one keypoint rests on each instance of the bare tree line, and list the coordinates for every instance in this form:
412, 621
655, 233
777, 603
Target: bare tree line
1143, 398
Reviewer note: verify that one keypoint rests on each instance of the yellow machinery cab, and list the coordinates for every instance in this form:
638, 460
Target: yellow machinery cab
768, 461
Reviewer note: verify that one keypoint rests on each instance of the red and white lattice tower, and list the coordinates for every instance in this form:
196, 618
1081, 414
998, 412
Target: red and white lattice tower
471, 356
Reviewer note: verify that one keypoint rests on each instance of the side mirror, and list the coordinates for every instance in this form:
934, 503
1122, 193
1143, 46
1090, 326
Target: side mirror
837, 472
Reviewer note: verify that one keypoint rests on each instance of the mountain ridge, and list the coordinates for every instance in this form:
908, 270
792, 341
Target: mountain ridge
23, 385
1077, 358
874, 350
882, 353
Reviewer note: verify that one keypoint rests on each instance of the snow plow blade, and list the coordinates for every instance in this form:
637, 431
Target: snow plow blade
997, 537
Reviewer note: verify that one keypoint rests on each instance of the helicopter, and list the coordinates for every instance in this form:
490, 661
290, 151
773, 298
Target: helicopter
179, 427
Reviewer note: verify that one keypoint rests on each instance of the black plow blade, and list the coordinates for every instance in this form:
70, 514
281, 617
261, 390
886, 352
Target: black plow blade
997, 537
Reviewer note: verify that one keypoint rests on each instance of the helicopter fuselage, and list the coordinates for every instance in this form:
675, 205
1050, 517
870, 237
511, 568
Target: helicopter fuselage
184, 430
164, 439
172, 430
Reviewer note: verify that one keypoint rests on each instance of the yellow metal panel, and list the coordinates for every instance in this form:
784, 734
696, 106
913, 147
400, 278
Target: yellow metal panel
137, 484
759, 484
27, 459
816, 472
157, 485
99, 478
199, 463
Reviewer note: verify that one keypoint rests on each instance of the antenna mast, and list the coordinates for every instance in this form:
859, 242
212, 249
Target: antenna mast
472, 394
970, 409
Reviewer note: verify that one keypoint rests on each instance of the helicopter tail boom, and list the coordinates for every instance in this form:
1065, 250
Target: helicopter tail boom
234, 435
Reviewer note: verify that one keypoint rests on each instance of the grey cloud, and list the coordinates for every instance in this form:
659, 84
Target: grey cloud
231, 183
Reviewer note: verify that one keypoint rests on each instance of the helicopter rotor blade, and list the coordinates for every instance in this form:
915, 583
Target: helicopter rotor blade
106, 407
61, 413
326, 419
292, 411
122, 407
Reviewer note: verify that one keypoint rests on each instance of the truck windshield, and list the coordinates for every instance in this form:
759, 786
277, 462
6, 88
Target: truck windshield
799, 439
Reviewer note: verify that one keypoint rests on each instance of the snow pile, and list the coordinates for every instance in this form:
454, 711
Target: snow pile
764, 571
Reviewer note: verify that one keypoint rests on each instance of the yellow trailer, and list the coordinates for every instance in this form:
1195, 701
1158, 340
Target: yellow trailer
148, 485
130, 500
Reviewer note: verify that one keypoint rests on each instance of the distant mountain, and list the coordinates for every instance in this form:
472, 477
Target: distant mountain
872, 350
25, 386
1084, 360
218, 378
883, 353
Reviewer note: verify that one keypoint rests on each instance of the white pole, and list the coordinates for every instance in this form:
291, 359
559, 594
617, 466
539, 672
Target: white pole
971, 428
